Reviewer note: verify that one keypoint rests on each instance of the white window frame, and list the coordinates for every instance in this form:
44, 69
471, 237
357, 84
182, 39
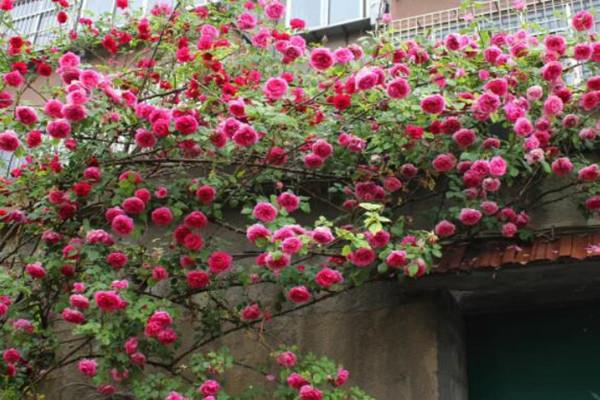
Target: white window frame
325, 16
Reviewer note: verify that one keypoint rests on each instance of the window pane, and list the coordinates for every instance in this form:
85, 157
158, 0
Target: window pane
97, 7
344, 10
308, 10
152, 3
135, 5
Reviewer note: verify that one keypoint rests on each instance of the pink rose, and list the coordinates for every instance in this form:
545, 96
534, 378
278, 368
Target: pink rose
275, 88
162, 216
289, 201
72, 316
264, 212
245, 136
445, 228
9, 141
562, 166
275, 10
322, 148
583, 21
469, 216
246, 21
328, 277
59, 128
87, 367
219, 261
35, 270
144, 139
256, 232
553, 105
589, 173
299, 294
433, 104
366, 79
321, 59
498, 166
197, 279
322, 235
362, 257
195, 220
79, 301
308, 392
509, 229
343, 55
287, 359
251, 312
26, 115
523, 127
444, 162
398, 88
464, 137
117, 260
108, 301
291, 245
11, 355
296, 381
341, 377
206, 194
14, 79
209, 388
396, 259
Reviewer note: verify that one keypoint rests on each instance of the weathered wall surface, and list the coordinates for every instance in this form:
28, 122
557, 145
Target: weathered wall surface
396, 347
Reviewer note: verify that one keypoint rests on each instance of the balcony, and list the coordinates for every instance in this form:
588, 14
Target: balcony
543, 15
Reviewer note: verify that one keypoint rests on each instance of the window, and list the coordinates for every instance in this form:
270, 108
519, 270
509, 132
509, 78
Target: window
321, 13
97, 8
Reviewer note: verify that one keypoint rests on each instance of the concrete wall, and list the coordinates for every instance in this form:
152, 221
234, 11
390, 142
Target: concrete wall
395, 347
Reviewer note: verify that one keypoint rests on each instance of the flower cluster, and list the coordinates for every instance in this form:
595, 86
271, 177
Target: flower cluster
152, 201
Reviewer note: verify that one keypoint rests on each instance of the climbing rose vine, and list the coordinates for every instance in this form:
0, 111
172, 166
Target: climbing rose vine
168, 172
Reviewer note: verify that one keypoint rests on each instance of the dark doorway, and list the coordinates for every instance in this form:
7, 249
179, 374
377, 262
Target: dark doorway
550, 354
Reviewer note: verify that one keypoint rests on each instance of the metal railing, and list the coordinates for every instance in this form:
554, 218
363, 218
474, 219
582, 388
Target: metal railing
548, 15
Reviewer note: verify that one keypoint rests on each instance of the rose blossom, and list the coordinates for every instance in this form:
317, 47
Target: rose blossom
275, 88
445, 228
108, 301
251, 312
583, 21
328, 277
433, 104
469, 216
264, 212
321, 59
287, 359
35, 270
197, 279
562, 166
219, 261
444, 162
296, 381
87, 367
289, 201
299, 294
162, 216
362, 257
26, 115
308, 392
9, 141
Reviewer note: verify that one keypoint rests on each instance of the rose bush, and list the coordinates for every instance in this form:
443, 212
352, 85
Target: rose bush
174, 123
